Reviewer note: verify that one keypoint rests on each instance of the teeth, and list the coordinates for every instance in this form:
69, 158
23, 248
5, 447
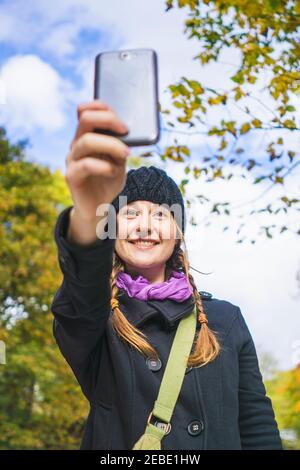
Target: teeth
146, 243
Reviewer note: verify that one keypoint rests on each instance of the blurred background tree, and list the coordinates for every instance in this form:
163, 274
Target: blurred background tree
41, 406
284, 389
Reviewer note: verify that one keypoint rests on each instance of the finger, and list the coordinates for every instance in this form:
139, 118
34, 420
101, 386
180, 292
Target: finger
97, 144
95, 104
100, 119
90, 166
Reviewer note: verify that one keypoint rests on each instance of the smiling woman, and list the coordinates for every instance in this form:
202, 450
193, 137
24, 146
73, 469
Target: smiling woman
123, 300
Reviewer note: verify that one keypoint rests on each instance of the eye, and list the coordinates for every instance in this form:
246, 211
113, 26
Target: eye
162, 214
130, 212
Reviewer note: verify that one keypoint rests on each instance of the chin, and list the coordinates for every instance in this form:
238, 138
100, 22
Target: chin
143, 263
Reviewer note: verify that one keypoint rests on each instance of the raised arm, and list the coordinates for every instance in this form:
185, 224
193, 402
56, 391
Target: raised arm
96, 174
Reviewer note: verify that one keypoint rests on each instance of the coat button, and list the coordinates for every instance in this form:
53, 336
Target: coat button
195, 427
153, 364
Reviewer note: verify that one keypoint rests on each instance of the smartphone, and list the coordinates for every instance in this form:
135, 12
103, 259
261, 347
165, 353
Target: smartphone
127, 80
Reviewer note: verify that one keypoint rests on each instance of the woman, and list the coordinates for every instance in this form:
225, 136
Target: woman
122, 298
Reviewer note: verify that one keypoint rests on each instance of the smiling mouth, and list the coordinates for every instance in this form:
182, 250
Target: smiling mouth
144, 244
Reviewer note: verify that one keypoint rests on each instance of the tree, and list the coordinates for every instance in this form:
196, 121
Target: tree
41, 404
265, 36
284, 390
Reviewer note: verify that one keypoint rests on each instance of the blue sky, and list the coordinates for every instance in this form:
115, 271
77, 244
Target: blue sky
46, 69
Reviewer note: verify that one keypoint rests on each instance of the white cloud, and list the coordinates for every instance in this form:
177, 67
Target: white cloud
35, 95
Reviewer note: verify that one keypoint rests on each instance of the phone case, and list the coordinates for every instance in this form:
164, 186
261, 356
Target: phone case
127, 80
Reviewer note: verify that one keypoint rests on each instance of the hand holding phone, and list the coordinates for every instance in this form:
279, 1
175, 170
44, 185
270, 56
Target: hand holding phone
96, 167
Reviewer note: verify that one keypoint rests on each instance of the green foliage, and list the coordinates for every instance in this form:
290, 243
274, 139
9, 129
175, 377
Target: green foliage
284, 390
265, 34
41, 405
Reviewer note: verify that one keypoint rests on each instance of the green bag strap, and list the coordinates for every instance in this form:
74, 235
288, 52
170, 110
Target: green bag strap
171, 383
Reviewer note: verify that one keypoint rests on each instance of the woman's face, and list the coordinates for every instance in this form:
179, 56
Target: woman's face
142, 220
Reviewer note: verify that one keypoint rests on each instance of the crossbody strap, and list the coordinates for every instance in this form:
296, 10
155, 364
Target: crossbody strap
175, 368
171, 382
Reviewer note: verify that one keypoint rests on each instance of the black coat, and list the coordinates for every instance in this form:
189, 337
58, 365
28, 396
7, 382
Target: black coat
222, 405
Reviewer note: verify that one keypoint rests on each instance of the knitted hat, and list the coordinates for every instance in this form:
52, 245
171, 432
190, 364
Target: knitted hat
154, 185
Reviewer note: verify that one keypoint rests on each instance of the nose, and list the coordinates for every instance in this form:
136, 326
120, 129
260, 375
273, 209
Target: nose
144, 224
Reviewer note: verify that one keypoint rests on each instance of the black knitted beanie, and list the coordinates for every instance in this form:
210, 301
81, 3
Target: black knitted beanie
154, 185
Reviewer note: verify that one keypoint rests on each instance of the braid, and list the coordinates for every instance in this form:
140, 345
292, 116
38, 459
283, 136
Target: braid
122, 326
207, 346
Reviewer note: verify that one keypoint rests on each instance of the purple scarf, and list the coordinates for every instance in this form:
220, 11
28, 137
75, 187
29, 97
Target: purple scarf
175, 288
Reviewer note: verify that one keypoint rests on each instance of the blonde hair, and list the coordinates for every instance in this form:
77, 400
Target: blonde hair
206, 345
